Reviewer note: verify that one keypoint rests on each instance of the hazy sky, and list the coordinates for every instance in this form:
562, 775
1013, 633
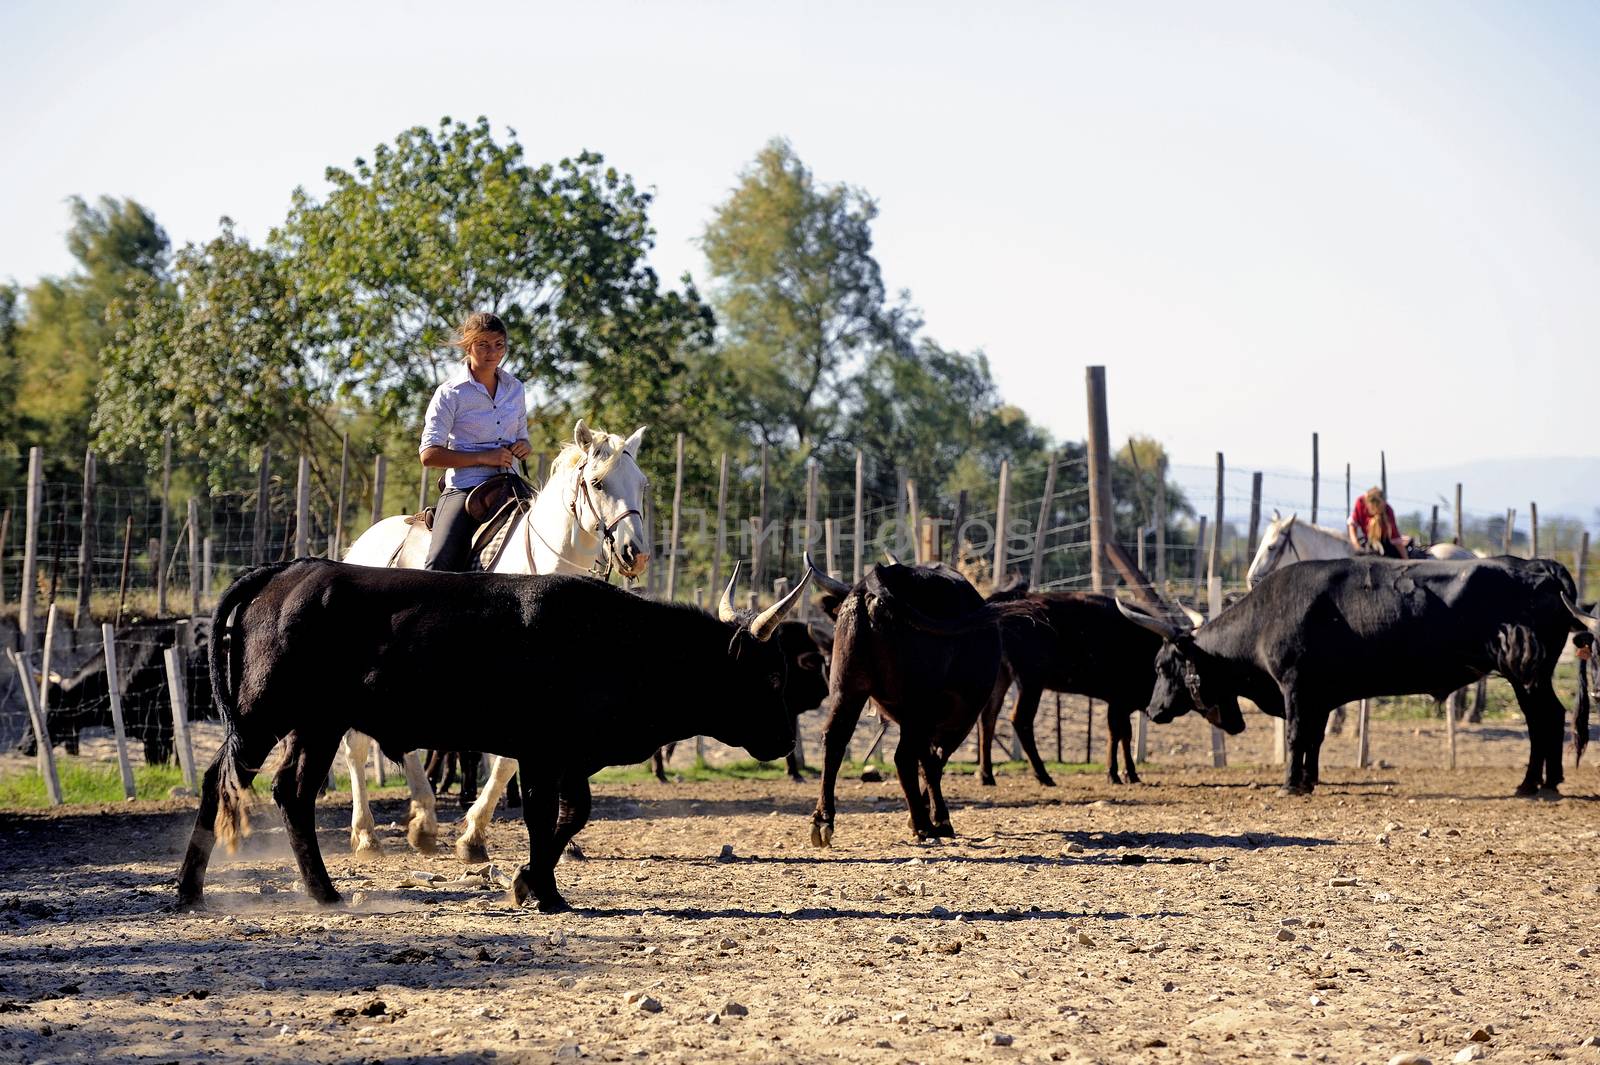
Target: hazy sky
1374, 220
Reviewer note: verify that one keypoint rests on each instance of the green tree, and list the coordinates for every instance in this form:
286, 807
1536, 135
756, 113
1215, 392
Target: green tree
10, 368
798, 294
118, 247
447, 221
218, 359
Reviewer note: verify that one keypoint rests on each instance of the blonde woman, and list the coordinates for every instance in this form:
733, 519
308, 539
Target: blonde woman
476, 427
1372, 528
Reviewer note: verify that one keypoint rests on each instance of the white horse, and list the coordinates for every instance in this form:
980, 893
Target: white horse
1288, 541
589, 514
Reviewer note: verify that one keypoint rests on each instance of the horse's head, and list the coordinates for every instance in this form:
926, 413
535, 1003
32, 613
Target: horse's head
1274, 545
608, 494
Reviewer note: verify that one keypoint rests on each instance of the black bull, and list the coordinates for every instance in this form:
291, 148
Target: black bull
82, 700
921, 642
567, 675
1317, 635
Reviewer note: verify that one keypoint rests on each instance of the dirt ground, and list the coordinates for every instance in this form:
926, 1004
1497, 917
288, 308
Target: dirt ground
1197, 917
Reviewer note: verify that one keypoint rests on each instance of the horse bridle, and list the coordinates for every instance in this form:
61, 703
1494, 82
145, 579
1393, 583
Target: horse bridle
1287, 545
601, 569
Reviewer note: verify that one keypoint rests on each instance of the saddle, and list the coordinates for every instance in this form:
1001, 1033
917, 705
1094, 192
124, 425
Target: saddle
491, 505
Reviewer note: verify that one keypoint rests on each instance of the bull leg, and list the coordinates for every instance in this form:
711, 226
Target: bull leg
1298, 740
471, 762
986, 729
69, 739
1022, 718
1119, 732
363, 831
540, 810
574, 811
1532, 716
660, 759
908, 756
473, 843
1315, 730
192, 876
791, 765
835, 741
294, 788
422, 830
1553, 721
933, 776
434, 768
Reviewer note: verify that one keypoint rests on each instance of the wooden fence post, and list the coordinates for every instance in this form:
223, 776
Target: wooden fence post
108, 634
722, 534
914, 519
338, 514
1383, 473
677, 503
1161, 526
1506, 535
166, 501
1433, 526
194, 557
1362, 742
1316, 476
859, 531
1461, 535
80, 616
41, 731
380, 471
302, 508
955, 528
1001, 512
1347, 488
1583, 565
1102, 519
179, 693
830, 539
30, 552
809, 536
758, 566
258, 548
207, 567
1255, 514
1533, 530
1214, 571
127, 557
1042, 526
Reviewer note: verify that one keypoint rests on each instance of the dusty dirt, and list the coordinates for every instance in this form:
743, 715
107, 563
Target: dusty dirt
1192, 918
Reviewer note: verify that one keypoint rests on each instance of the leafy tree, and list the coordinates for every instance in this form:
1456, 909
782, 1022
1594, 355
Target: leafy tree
798, 293
10, 367
118, 246
448, 221
217, 358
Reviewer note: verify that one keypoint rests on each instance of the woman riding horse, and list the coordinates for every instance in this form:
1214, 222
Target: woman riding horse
477, 426
1372, 527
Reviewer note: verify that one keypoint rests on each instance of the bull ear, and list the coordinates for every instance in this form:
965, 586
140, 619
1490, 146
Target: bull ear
766, 623
583, 436
725, 609
1591, 623
631, 445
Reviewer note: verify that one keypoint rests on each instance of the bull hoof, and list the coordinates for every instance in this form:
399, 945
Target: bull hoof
797, 778
1550, 793
190, 901
471, 850
821, 834
986, 779
325, 896
1295, 789
1133, 778
1526, 790
553, 904
944, 830
1045, 780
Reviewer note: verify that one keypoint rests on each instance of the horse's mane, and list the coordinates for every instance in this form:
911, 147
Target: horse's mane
606, 452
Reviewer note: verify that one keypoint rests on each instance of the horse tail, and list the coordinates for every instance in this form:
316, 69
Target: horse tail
232, 795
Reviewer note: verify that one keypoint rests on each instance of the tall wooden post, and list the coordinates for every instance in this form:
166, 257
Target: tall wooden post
258, 547
108, 634
759, 566
380, 470
1582, 568
1042, 526
1461, 535
859, 532
1533, 530
1214, 571
80, 615
161, 550
127, 557
41, 728
1433, 526
722, 532
914, 519
337, 549
1102, 521
1002, 512
809, 537
5, 544
194, 558
1161, 527
677, 504
1383, 474
1255, 513
1199, 559
1506, 536
30, 552
302, 509
1347, 499
178, 690
830, 539
955, 530
1316, 476
207, 570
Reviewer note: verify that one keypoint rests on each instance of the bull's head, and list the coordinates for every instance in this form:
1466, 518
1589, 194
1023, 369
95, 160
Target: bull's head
1187, 678
758, 717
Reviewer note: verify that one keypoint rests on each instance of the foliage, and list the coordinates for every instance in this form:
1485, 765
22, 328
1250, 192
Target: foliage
798, 294
10, 367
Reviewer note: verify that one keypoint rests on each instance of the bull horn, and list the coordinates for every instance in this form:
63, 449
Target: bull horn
766, 622
892, 560
823, 580
725, 610
1591, 623
1145, 621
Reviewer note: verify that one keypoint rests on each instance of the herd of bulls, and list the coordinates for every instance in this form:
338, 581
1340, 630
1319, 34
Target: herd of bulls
568, 675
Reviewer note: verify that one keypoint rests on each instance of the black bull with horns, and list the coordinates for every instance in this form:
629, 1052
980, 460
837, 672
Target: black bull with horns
568, 675
920, 642
1316, 635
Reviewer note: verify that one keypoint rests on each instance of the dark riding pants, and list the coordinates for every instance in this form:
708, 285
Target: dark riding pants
452, 533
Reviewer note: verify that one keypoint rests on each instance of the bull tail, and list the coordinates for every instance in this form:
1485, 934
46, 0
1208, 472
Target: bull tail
233, 797
1580, 716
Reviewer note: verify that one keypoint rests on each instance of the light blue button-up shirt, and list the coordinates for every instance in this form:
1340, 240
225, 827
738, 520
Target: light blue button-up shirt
462, 417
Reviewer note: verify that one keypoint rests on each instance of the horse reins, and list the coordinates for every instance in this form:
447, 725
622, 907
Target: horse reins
602, 566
